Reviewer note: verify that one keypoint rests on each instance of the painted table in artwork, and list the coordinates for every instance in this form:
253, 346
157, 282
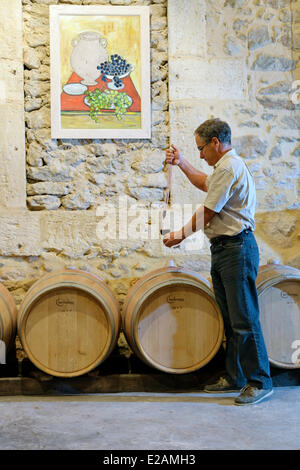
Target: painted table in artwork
75, 113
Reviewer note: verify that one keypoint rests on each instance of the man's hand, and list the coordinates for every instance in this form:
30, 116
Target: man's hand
173, 155
173, 238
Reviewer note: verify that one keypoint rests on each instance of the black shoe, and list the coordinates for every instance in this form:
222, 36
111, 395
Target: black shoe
223, 385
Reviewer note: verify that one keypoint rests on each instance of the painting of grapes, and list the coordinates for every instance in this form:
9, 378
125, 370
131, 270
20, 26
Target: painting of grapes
100, 71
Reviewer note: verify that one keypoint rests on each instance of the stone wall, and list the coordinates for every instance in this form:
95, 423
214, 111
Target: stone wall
234, 59
66, 180
239, 60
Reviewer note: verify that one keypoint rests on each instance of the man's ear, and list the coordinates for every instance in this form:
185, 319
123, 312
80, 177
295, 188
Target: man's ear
215, 141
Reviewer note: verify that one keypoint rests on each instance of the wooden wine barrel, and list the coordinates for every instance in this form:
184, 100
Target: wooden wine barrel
278, 290
8, 318
68, 323
171, 320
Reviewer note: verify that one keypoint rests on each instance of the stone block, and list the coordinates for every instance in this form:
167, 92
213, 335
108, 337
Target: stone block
43, 136
36, 89
55, 189
278, 3
31, 58
232, 47
158, 24
70, 233
250, 146
11, 73
105, 164
235, 3
34, 154
12, 156
54, 172
109, 150
152, 180
217, 79
291, 122
52, 262
32, 104
38, 119
43, 202
40, 10
265, 62
278, 227
147, 161
158, 71
180, 14
258, 37
11, 30
80, 200
12, 142
36, 39
276, 103
76, 233
145, 193
276, 88
42, 73
19, 233
296, 152
275, 152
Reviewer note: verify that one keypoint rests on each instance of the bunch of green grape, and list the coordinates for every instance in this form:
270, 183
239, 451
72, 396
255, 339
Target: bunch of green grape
98, 100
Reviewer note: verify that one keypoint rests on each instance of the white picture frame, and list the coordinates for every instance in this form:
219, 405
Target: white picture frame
82, 36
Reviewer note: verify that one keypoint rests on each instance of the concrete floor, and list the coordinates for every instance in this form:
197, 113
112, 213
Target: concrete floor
150, 421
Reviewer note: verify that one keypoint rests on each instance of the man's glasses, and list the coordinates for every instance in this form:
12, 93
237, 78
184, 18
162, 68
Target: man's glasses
201, 148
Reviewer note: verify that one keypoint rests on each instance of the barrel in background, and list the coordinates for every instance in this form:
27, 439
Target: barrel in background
68, 323
278, 289
171, 320
8, 318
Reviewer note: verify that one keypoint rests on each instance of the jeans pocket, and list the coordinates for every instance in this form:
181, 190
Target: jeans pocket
229, 244
216, 248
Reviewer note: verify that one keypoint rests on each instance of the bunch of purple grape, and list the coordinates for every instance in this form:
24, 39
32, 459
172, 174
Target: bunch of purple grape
116, 67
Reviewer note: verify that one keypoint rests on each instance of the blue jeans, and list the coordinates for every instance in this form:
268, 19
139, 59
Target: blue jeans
233, 270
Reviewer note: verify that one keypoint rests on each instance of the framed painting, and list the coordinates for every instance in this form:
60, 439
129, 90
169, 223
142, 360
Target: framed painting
100, 72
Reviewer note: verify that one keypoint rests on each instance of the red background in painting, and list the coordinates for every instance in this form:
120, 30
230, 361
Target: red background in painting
75, 102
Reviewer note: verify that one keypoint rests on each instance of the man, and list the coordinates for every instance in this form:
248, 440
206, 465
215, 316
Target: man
227, 216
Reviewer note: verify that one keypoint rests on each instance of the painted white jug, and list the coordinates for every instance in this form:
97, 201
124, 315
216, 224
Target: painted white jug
89, 50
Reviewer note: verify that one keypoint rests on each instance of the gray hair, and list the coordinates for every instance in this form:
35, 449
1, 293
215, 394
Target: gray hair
214, 128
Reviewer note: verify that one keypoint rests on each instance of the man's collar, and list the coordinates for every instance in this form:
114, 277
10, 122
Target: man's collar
230, 153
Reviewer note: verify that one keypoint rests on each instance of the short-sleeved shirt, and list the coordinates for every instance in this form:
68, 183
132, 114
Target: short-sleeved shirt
231, 194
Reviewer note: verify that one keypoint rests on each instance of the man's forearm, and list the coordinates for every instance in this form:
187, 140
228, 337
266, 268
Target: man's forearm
200, 218
196, 177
